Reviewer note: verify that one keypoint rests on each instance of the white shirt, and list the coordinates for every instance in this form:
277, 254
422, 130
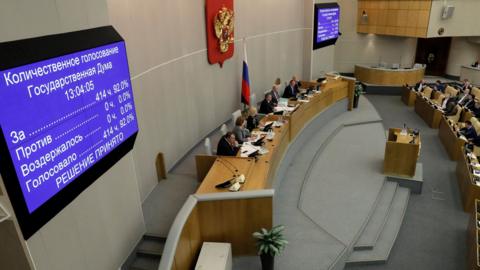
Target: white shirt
444, 104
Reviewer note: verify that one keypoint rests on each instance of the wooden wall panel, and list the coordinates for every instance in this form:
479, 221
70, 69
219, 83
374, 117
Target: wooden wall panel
189, 244
396, 18
232, 221
12, 254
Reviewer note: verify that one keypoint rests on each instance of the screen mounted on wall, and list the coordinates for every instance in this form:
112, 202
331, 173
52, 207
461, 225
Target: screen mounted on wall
67, 115
326, 24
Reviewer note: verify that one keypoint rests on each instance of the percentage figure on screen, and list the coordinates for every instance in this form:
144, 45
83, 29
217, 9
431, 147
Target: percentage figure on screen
126, 108
127, 120
124, 97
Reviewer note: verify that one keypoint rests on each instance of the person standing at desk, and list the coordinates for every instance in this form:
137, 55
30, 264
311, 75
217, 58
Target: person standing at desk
291, 90
241, 133
267, 105
227, 146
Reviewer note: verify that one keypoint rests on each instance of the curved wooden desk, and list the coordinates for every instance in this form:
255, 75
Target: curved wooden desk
388, 77
223, 216
261, 173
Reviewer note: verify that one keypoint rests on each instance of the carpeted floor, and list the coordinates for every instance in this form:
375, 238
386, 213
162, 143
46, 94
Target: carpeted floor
434, 229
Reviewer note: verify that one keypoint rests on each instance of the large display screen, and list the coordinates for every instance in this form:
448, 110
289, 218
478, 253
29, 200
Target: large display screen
326, 24
61, 116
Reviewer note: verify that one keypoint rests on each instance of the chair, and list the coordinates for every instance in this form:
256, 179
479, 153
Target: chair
475, 124
427, 92
224, 129
455, 118
452, 91
476, 92
208, 147
438, 98
235, 115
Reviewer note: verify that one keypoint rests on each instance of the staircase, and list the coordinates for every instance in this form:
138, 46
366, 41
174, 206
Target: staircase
147, 254
377, 239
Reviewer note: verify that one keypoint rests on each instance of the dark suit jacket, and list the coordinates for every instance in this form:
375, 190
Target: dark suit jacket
225, 149
476, 111
275, 97
418, 85
469, 133
252, 122
465, 100
266, 107
289, 92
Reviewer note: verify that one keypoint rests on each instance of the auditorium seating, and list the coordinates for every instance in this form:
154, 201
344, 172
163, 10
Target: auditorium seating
455, 118
476, 92
452, 91
427, 92
438, 98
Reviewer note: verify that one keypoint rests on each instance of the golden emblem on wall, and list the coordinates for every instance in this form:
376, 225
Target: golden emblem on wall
224, 24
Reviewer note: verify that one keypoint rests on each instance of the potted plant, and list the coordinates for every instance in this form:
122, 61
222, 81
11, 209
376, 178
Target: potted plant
270, 243
357, 93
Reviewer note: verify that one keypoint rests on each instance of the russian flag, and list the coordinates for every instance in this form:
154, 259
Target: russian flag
245, 79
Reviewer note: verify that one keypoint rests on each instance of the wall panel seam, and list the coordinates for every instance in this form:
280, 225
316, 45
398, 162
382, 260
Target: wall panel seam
204, 50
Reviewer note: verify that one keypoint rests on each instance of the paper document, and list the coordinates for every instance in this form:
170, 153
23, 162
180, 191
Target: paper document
247, 149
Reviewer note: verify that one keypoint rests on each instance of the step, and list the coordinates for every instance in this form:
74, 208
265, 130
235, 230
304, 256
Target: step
375, 224
152, 246
380, 252
145, 263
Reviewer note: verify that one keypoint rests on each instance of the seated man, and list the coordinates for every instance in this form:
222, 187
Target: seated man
227, 146
439, 86
252, 119
466, 85
420, 85
291, 90
275, 94
446, 101
476, 108
464, 98
267, 105
468, 131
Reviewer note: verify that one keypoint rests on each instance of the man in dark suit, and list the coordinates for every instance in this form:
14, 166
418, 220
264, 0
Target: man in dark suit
420, 85
267, 105
291, 90
464, 97
476, 108
227, 146
439, 86
468, 131
275, 94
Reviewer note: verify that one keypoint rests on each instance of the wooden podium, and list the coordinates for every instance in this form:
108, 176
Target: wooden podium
401, 153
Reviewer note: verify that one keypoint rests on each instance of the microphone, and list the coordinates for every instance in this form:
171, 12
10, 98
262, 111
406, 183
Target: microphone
232, 168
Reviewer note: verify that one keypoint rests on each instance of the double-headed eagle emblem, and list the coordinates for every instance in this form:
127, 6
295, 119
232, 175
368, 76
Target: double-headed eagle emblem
224, 24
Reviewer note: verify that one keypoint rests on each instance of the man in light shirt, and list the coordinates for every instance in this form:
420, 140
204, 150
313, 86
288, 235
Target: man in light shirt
464, 98
445, 101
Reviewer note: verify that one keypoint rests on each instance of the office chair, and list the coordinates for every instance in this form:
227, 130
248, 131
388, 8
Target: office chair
208, 147
224, 129
235, 115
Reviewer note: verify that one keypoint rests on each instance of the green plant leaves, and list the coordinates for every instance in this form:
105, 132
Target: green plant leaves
270, 242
